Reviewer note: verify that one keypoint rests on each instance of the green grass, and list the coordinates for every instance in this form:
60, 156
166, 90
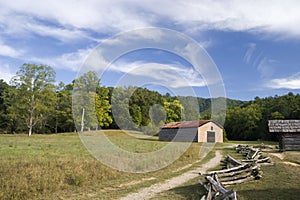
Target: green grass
59, 166
292, 156
280, 181
252, 142
191, 190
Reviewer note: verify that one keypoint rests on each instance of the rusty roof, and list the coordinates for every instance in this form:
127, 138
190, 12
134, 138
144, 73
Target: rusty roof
185, 124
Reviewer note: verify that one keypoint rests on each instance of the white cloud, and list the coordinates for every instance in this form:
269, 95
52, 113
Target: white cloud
72, 60
103, 16
6, 72
266, 67
173, 75
138, 70
20, 25
61, 34
262, 16
170, 75
9, 51
249, 52
70, 20
292, 82
276, 17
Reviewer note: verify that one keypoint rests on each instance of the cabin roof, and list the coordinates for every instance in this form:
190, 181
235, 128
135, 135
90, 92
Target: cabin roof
186, 124
284, 126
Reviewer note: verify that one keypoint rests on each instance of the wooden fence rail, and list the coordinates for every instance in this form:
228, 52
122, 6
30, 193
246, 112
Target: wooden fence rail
215, 190
234, 172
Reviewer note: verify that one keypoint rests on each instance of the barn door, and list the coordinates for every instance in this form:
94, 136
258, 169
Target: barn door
211, 136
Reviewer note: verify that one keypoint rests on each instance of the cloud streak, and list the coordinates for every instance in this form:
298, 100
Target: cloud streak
72, 61
115, 16
170, 75
109, 57
292, 82
8, 51
249, 53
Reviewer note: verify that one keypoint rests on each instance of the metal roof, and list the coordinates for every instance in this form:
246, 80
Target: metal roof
284, 126
185, 124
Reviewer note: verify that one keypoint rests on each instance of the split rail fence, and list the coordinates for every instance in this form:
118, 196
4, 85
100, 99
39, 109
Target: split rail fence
234, 172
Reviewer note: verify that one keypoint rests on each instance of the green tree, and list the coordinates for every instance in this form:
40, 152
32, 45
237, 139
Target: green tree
158, 117
145, 99
120, 109
174, 111
4, 121
103, 107
29, 100
136, 114
63, 120
47, 111
242, 122
84, 101
190, 107
276, 115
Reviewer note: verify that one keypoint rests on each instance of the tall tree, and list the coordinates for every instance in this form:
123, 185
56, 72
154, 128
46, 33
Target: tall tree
85, 101
103, 108
120, 109
191, 107
63, 120
3, 108
144, 99
174, 111
29, 101
242, 122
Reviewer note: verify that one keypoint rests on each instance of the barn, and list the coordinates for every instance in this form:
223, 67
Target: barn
288, 132
196, 131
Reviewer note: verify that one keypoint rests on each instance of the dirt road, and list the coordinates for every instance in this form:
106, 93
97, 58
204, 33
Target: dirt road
149, 192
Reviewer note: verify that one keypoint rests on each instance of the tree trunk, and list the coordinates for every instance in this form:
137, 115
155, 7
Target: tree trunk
82, 120
30, 131
31, 111
30, 126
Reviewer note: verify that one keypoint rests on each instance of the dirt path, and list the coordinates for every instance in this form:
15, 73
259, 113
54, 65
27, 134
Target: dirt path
278, 155
149, 192
291, 163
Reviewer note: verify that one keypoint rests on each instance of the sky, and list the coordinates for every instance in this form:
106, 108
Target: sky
252, 47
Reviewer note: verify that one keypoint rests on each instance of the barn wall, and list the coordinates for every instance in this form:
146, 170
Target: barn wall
179, 135
202, 132
290, 142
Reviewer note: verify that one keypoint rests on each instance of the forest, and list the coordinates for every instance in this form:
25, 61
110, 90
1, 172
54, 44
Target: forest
32, 102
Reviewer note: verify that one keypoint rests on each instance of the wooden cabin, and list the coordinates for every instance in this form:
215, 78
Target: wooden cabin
288, 132
188, 131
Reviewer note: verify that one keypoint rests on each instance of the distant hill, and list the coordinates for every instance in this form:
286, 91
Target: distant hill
206, 103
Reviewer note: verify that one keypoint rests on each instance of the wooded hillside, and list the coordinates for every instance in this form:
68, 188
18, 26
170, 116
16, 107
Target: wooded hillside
32, 102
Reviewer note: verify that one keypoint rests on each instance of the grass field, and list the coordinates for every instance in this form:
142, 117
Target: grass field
280, 181
59, 167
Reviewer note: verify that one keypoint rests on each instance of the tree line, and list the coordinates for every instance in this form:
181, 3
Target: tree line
33, 102
249, 121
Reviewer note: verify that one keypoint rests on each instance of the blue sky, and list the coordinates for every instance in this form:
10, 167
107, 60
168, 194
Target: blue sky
255, 46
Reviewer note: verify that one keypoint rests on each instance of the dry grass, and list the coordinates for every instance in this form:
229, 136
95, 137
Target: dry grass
59, 167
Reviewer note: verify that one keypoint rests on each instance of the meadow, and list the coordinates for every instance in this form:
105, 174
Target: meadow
58, 166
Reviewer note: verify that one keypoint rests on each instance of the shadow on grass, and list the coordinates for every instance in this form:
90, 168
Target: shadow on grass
274, 193
150, 139
195, 191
